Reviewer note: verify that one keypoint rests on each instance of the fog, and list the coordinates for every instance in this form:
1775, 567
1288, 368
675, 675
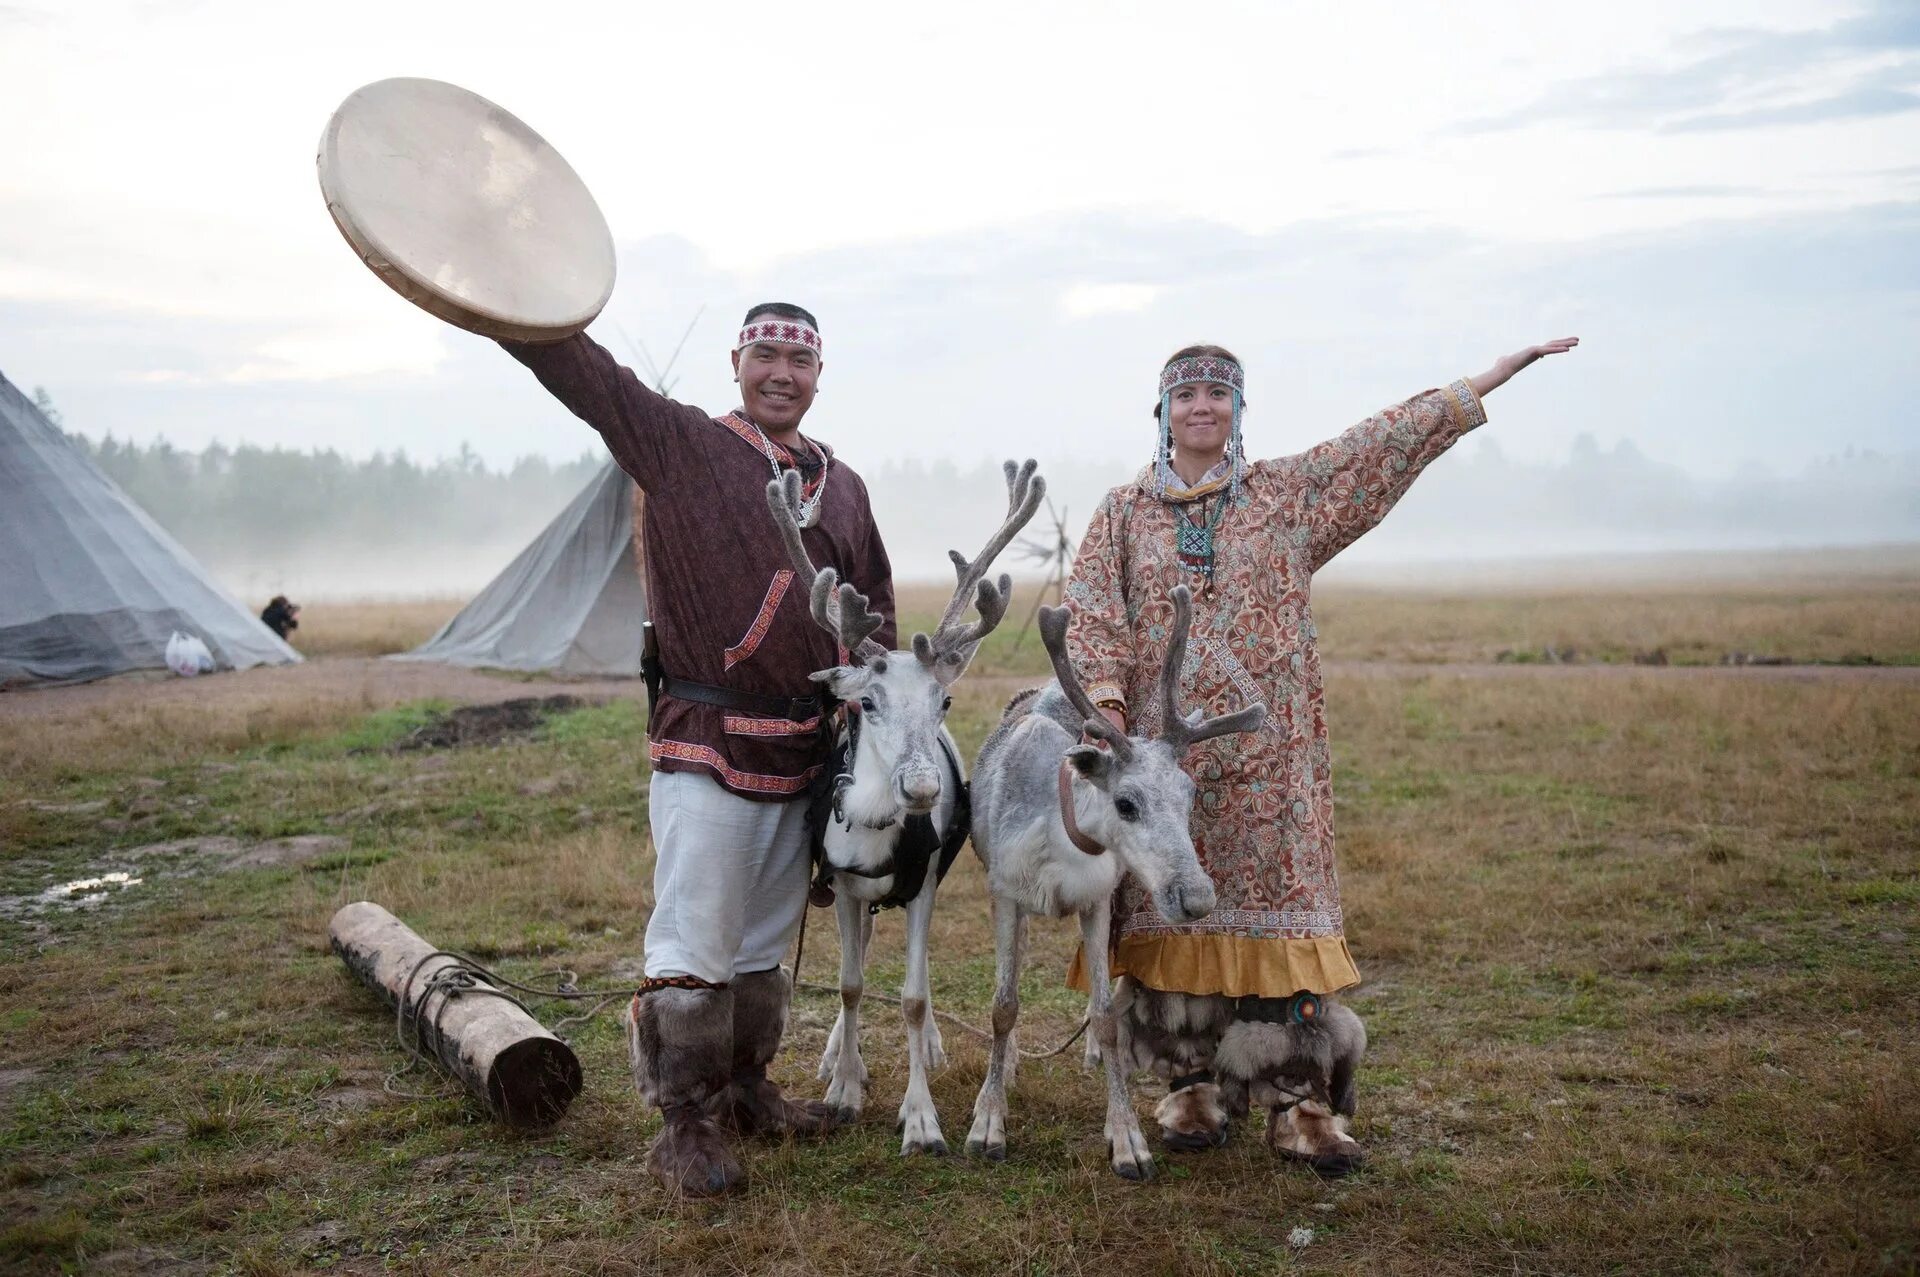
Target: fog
327, 528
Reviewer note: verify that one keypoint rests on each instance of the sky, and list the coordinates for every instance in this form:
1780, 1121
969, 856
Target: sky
1006, 216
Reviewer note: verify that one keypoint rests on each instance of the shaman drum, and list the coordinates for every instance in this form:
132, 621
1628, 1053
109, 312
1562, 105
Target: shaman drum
465, 211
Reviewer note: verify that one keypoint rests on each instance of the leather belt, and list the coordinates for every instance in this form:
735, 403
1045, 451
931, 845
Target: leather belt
795, 709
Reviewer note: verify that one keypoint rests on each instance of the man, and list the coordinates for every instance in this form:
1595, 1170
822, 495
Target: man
280, 616
736, 732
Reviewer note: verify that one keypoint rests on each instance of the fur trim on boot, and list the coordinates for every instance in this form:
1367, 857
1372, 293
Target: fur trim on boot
680, 1043
1192, 1119
752, 1104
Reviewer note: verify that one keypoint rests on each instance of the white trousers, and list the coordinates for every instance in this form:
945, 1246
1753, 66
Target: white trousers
729, 880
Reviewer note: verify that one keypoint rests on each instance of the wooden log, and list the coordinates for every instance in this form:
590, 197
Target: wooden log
523, 1073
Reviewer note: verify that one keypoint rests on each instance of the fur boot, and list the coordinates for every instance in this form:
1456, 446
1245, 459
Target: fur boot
1303, 1074
680, 1043
1174, 1036
752, 1104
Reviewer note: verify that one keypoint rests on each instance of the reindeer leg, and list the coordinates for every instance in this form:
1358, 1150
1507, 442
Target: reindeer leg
919, 1120
988, 1138
1091, 1059
841, 1064
1126, 1146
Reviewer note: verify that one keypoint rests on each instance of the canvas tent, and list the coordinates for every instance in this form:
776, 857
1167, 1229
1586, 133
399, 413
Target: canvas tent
571, 603
90, 585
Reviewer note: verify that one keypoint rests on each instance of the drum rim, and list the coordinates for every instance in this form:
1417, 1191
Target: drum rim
421, 291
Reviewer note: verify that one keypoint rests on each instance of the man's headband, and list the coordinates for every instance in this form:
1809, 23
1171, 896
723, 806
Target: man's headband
780, 330
1202, 368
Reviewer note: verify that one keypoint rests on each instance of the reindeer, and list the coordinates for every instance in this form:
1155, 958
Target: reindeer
1057, 824
900, 794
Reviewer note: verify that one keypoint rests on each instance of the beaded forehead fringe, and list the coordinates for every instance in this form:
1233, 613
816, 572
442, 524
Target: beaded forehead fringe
786, 332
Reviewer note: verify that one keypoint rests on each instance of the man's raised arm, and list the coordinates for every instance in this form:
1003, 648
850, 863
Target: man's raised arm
647, 433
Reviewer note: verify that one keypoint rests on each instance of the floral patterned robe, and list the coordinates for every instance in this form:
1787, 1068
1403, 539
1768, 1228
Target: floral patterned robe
1263, 811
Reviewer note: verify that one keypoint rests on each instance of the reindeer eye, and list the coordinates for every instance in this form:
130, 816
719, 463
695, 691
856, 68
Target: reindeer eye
867, 706
1127, 808
946, 703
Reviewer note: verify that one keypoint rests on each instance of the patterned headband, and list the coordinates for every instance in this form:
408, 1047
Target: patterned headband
778, 329
1203, 368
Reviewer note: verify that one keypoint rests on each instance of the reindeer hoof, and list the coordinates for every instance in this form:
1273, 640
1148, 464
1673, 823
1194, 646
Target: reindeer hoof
845, 1116
936, 1147
990, 1152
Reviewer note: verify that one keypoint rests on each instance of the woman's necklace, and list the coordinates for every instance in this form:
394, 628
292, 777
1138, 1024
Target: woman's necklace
1194, 541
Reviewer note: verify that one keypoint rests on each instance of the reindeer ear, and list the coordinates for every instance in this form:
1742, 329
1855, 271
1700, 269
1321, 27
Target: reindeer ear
1093, 763
843, 681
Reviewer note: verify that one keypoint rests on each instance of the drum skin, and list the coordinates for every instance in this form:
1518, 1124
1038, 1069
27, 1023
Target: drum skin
465, 211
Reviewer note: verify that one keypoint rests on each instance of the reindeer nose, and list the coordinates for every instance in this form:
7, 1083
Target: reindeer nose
1197, 900
919, 788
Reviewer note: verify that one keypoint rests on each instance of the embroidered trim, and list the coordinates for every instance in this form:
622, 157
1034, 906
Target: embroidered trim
813, 491
782, 332
1202, 368
1464, 406
1102, 692
763, 621
1261, 923
754, 782
653, 982
739, 725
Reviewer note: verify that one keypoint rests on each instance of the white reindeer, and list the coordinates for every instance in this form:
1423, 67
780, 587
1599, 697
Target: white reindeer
900, 795
1057, 824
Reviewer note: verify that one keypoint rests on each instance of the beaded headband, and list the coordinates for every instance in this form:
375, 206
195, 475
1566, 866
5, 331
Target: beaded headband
1202, 368
783, 331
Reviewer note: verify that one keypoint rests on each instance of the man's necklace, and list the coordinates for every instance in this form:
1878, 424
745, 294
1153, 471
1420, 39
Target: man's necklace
809, 500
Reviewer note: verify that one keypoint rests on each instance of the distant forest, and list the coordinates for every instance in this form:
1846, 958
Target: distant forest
268, 520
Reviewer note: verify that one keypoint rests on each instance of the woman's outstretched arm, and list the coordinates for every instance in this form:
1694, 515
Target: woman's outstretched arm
1504, 368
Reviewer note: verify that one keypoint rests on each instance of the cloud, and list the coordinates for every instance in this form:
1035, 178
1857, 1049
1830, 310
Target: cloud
1083, 301
1684, 193
1749, 78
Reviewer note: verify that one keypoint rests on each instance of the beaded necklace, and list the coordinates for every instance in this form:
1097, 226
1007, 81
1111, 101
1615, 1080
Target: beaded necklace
1194, 541
813, 491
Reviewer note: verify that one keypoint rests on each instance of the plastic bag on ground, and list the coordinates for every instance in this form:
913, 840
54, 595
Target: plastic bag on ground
187, 655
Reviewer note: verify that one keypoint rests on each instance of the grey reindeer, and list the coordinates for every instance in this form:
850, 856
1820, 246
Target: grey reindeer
1058, 823
900, 795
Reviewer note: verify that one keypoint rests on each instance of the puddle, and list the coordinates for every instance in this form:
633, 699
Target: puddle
180, 858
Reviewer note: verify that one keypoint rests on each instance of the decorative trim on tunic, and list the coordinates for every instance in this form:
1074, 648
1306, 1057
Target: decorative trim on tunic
685, 752
1464, 406
763, 621
740, 725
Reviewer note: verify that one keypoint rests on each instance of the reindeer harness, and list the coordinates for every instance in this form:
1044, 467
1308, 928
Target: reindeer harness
914, 845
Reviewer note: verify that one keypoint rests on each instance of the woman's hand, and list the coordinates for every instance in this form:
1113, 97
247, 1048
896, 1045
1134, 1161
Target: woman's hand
1504, 367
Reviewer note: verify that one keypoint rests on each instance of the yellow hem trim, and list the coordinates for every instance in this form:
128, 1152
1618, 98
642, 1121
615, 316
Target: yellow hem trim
1233, 966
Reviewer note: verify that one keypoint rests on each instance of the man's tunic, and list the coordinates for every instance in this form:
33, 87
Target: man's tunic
726, 605
1263, 811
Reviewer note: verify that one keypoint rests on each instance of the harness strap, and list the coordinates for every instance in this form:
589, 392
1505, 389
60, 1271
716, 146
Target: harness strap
1074, 833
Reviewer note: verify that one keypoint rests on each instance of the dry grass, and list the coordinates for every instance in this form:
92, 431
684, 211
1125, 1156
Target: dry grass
349, 628
1639, 947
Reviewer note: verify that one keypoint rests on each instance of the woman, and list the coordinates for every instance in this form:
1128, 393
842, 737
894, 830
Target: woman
1247, 538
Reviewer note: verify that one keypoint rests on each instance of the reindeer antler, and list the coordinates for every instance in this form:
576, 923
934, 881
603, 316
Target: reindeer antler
839, 609
951, 645
1181, 732
1053, 633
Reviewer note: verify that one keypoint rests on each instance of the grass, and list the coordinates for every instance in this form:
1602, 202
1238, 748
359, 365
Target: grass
1639, 951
